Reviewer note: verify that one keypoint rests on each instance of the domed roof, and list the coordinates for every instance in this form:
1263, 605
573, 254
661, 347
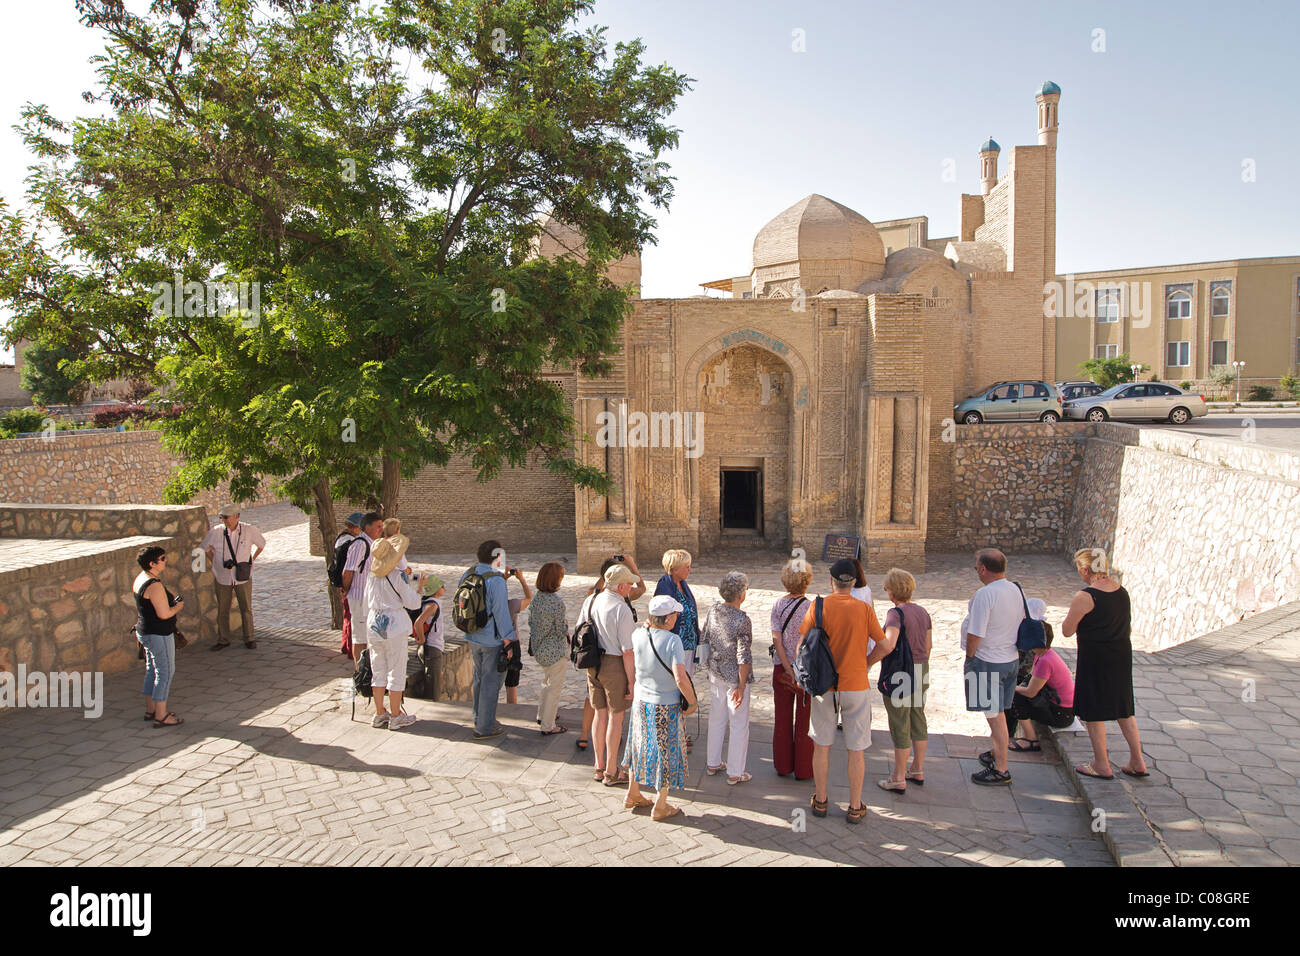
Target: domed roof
1049, 87
913, 257
989, 144
818, 228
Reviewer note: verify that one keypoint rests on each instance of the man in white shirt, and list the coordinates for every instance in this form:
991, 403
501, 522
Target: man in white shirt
228, 545
992, 659
610, 685
356, 569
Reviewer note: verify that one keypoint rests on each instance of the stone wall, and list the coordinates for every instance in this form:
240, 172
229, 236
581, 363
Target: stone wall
1204, 532
99, 468
65, 582
1014, 484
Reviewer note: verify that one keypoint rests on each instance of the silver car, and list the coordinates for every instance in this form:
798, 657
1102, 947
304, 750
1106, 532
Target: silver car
1130, 401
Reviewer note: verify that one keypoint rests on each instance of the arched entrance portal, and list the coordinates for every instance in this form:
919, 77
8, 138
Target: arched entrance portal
746, 395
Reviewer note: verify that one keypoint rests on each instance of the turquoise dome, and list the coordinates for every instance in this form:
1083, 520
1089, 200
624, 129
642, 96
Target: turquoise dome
989, 144
1049, 87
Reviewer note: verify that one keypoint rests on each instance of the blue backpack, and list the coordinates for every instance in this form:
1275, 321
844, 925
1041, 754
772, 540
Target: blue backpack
898, 665
814, 665
1031, 633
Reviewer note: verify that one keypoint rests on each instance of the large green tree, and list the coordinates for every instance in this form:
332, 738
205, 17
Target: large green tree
376, 175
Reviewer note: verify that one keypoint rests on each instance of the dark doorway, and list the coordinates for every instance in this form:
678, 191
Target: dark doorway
742, 499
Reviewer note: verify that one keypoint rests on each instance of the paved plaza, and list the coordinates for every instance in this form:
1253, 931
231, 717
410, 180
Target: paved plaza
269, 769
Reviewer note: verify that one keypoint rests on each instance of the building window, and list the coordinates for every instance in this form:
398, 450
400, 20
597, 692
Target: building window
1220, 298
1108, 305
1219, 352
1178, 303
1178, 354
1107, 351
747, 295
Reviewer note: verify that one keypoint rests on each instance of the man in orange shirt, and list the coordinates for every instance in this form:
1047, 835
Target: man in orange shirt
848, 623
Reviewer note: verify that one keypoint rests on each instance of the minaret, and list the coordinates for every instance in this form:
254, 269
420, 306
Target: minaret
1048, 97
989, 165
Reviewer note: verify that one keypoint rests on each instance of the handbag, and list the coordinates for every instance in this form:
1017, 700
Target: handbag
682, 702
897, 661
771, 650
243, 569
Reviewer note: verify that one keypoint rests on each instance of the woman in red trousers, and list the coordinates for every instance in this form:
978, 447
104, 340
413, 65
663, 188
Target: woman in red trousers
792, 748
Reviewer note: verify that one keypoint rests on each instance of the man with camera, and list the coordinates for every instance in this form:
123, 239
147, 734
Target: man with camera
229, 548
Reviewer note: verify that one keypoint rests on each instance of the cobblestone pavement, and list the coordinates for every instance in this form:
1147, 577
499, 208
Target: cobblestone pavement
1219, 719
268, 769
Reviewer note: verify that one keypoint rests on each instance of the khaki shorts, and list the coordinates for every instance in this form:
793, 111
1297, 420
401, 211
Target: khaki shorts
855, 711
607, 684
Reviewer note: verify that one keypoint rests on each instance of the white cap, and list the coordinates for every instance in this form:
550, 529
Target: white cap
1037, 608
661, 605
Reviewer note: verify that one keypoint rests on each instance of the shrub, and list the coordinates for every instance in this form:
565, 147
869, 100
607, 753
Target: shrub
1259, 393
137, 414
1185, 386
22, 420
1290, 385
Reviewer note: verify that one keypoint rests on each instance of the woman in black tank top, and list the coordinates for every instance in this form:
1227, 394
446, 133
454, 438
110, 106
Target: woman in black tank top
155, 627
1103, 686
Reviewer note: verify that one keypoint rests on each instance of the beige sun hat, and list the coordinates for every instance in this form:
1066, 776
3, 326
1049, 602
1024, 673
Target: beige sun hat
388, 552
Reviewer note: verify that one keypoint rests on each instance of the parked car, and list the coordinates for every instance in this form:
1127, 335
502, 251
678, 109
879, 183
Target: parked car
1139, 400
1011, 401
1072, 390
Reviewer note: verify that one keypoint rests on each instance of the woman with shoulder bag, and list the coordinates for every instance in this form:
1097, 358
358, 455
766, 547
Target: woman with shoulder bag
792, 748
155, 628
655, 754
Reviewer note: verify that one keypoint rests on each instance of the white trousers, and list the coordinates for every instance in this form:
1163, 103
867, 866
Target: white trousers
548, 701
723, 716
388, 662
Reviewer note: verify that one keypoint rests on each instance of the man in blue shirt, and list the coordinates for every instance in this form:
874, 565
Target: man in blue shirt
485, 643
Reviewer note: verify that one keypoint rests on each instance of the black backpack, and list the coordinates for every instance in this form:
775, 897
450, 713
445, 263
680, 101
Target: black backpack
363, 675
584, 647
341, 558
896, 662
814, 665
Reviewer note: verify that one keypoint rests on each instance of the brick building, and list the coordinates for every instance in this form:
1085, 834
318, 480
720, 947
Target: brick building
811, 401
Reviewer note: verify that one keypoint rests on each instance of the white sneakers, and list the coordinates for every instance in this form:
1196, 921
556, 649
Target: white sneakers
398, 721
380, 720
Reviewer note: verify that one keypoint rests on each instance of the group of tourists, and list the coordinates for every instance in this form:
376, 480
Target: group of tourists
643, 673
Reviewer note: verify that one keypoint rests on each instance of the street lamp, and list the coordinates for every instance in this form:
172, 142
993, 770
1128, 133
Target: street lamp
1135, 369
1238, 366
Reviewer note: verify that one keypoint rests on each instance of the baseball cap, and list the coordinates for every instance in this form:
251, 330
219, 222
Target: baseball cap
844, 571
618, 574
661, 605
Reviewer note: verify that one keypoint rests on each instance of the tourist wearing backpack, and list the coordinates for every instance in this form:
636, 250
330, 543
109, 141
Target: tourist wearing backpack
388, 626
356, 569
848, 625
338, 557
481, 609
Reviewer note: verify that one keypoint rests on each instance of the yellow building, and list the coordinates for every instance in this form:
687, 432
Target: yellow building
1184, 322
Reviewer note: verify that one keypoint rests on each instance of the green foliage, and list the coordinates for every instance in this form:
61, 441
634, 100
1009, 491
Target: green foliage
1108, 372
1259, 393
48, 372
1290, 385
21, 420
1224, 377
387, 222
1185, 385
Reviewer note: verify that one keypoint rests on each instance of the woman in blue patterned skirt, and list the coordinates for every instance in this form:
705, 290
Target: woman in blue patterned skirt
677, 567
655, 744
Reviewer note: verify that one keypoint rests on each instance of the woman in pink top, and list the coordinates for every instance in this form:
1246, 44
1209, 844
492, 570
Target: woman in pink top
1047, 698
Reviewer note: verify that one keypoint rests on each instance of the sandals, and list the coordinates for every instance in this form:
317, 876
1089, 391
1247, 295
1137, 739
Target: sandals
916, 777
220, 646
743, 778
581, 743
894, 786
672, 812
251, 644
714, 771
559, 729
690, 742
819, 808
638, 803
616, 781
1033, 748
1088, 770
150, 716
599, 776
1133, 773
855, 814
174, 721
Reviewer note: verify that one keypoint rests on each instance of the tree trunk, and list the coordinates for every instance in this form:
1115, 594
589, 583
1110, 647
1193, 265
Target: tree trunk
392, 485
328, 532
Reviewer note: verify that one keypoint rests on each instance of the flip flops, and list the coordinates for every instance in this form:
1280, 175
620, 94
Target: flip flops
1033, 748
1133, 773
581, 744
1087, 770
163, 723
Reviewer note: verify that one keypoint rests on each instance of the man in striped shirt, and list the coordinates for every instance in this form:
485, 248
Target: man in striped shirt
356, 569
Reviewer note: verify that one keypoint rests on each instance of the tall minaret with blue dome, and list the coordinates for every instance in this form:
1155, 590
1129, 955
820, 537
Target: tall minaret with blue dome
1049, 96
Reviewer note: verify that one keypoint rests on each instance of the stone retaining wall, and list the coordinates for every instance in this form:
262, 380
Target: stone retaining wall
65, 582
102, 468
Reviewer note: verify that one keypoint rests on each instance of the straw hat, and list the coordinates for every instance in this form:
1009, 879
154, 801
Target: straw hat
387, 552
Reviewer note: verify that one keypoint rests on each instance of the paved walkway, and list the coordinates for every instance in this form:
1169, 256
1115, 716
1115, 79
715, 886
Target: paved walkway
271, 771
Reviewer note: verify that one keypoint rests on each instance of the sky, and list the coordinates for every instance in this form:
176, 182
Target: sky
1178, 139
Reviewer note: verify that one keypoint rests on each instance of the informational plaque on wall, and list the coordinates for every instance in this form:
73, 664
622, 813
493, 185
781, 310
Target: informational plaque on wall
840, 546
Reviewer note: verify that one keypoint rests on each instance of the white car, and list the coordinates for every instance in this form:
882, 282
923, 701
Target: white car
1129, 401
